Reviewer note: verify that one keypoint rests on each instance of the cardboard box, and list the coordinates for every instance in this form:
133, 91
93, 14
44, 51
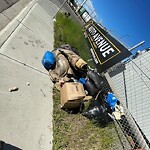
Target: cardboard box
71, 95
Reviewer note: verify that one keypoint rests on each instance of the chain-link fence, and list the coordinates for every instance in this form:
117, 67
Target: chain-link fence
130, 82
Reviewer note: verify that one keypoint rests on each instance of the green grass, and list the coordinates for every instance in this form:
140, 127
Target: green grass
66, 31
73, 131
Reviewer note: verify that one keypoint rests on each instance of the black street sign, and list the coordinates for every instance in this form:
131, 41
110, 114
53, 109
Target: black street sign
105, 49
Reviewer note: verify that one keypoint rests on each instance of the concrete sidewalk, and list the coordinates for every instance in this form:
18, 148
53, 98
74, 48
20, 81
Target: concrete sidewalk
10, 9
26, 114
4, 4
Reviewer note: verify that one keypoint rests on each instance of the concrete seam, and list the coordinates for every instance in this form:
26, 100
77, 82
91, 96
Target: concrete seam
15, 27
54, 4
20, 23
29, 29
6, 2
6, 16
24, 64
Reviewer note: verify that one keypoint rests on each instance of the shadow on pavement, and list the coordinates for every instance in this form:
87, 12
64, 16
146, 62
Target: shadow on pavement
6, 146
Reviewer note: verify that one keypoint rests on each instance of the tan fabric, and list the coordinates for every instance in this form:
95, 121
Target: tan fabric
61, 69
81, 64
64, 58
71, 56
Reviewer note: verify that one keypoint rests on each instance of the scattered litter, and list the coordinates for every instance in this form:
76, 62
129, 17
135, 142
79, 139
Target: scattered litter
28, 83
13, 89
98, 111
71, 95
80, 86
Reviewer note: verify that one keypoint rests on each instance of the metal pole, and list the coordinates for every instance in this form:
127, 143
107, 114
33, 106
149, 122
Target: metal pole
125, 89
137, 45
60, 8
80, 5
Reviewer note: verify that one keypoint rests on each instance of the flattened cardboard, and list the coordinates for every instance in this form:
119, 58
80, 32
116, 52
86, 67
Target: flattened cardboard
71, 94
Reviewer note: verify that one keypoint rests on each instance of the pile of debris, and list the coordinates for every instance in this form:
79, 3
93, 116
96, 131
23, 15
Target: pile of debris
79, 84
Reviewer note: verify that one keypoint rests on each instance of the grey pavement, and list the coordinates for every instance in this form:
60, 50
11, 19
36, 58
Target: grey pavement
8, 11
26, 114
5, 4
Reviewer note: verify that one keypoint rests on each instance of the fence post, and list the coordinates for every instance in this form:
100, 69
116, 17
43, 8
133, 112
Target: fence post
111, 84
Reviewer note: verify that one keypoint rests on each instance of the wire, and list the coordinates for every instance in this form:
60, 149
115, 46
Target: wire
140, 69
140, 77
146, 60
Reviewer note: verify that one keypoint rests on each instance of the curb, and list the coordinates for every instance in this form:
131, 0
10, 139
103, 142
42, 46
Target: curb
10, 13
12, 25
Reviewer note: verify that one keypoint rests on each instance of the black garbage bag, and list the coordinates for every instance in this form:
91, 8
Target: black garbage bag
1, 144
90, 88
98, 111
94, 83
96, 78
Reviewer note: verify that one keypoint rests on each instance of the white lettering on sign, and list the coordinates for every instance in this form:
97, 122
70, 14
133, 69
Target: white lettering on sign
95, 59
100, 42
92, 30
104, 47
108, 52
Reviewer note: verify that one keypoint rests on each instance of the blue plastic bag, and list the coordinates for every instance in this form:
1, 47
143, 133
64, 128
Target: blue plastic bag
111, 100
48, 60
82, 80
